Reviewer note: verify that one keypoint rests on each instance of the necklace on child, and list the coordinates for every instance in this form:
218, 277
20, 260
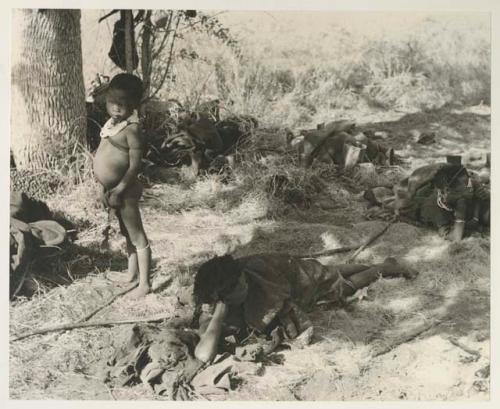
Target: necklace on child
110, 128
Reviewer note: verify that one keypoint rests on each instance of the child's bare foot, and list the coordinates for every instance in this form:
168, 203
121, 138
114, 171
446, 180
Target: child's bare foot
121, 278
139, 292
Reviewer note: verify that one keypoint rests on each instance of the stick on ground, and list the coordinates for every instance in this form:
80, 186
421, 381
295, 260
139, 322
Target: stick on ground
369, 241
406, 337
109, 302
465, 348
330, 252
70, 326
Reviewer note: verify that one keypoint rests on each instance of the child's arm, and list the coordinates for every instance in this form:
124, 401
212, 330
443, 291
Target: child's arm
206, 349
135, 142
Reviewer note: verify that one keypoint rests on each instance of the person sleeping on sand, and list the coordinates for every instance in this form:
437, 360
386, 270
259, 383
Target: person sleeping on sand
267, 291
446, 196
116, 166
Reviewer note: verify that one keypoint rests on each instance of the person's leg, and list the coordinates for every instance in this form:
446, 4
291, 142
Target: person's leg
348, 270
484, 213
131, 218
333, 275
133, 267
334, 279
354, 280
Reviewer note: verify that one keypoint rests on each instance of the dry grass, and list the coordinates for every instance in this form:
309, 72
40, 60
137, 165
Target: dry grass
298, 78
317, 63
294, 81
337, 366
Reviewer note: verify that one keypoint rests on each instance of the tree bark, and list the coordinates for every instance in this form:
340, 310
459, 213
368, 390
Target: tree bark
146, 52
129, 61
48, 94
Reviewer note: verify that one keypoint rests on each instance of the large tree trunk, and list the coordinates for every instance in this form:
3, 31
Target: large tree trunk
48, 95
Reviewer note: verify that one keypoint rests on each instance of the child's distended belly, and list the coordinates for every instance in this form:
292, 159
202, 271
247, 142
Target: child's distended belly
110, 164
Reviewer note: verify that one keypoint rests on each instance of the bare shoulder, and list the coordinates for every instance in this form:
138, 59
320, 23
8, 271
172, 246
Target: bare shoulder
135, 136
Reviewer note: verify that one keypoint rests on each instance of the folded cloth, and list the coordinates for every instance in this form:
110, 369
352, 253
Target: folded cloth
223, 375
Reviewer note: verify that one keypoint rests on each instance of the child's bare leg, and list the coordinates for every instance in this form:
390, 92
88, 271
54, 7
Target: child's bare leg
132, 221
133, 267
133, 264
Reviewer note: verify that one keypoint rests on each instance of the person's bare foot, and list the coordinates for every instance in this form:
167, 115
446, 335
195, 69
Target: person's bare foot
391, 260
139, 292
407, 272
410, 273
121, 278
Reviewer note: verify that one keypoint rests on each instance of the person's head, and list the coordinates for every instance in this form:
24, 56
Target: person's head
123, 95
219, 279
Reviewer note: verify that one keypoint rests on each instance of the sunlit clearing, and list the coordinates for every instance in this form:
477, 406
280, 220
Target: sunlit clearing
434, 249
403, 304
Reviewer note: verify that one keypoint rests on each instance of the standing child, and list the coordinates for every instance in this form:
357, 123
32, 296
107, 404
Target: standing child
116, 165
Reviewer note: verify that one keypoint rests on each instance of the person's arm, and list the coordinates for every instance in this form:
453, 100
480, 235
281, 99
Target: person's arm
457, 233
206, 349
136, 147
476, 212
103, 196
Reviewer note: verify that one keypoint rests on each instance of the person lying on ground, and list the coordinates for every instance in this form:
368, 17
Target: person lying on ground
116, 166
446, 196
263, 292
338, 143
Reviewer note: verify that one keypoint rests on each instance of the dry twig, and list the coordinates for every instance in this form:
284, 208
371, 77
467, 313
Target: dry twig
330, 251
70, 326
406, 337
465, 348
109, 302
369, 241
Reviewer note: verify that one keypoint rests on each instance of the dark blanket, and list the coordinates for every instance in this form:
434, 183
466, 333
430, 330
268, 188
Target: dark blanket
279, 285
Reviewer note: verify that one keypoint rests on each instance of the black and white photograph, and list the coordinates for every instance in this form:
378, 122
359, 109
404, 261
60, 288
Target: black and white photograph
230, 204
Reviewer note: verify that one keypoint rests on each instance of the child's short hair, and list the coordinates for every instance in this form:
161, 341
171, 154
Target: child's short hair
130, 84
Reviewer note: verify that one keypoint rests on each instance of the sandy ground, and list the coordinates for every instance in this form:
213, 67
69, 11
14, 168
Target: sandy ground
346, 360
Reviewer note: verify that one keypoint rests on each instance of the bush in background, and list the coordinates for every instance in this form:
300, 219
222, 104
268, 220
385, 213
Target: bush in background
289, 79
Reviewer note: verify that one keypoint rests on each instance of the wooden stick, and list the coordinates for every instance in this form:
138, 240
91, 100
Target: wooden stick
345, 249
369, 241
169, 61
129, 62
107, 15
70, 326
109, 302
465, 348
330, 252
412, 334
